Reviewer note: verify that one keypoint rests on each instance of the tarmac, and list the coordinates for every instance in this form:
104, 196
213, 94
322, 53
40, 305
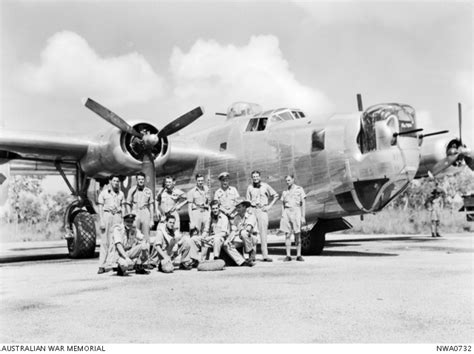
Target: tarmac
361, 289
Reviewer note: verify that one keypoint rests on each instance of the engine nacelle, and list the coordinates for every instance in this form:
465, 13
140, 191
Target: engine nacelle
119, 153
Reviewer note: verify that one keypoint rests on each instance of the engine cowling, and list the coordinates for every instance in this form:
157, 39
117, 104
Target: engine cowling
119, 153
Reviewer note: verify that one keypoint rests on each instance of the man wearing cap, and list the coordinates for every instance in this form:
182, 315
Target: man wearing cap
293, 215
169, 200
170, 245
140, 203
132, 249
198, 204
244, 227
258, 193
434, 207
226, 195
111, 203
219, 229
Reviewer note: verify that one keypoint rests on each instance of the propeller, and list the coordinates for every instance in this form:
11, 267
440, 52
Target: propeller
144, 139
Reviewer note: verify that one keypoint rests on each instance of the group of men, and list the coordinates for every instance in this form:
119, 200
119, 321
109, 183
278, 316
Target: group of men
218, 225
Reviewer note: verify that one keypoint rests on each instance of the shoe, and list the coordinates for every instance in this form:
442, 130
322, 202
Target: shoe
300, 259
287, 259
433, 235
267, 260
186, 266
141, 270
247, 263
101, 270
195, 263
120, 272
438, 235
216, 258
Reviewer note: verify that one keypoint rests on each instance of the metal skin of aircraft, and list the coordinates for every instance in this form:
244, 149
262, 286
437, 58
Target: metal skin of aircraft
348, 164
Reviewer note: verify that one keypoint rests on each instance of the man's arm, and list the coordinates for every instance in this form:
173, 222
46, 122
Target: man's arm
274, 196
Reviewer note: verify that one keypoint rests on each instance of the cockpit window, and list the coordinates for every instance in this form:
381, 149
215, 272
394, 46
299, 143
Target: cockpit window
285, 116
298, 114
257, 124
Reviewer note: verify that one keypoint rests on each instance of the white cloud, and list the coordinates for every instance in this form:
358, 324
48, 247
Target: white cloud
217, 75
69, 67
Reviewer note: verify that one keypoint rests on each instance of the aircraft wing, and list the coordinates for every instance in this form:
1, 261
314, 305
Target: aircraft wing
42, 148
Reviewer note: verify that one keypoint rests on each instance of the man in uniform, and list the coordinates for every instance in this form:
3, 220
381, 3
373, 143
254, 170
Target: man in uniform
293, 215
140, 202
170, 245
244, 227
198, 205
258, 193
226, 195
219, 229
169, 200
131, 247
434, 206
111, 203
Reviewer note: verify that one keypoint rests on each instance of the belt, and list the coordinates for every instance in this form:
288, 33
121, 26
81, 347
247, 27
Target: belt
113, 212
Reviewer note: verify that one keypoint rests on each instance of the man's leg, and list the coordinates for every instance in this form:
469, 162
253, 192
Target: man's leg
262, 220
104, 241
217, 245
234, 254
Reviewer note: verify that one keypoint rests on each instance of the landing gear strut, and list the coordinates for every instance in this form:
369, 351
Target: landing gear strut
312, 241
79, 222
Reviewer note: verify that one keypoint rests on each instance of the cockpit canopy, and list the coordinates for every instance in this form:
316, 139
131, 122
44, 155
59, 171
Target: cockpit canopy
259, 122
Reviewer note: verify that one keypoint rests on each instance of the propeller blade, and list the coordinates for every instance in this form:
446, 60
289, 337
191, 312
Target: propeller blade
181, 122
444, 163
148, 168
435, 133
111, 117
460, 121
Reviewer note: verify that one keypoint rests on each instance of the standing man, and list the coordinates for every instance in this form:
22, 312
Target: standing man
170, 245
226, 195
169, 200
198, 205
140, 202
293, 215
258, 193
131, 247
434, 206
111, 204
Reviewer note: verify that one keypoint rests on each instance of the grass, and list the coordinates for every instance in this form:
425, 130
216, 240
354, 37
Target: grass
408, 222
10, 232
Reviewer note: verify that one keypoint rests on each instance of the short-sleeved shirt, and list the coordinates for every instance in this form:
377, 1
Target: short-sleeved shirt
259, 196
140, 199
199, 197
111, 201
127, 237
217, 225
164, 236
293, 197
227, 198
239, 223
169, 200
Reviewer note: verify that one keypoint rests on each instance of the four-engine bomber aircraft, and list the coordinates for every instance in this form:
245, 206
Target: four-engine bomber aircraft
350, 164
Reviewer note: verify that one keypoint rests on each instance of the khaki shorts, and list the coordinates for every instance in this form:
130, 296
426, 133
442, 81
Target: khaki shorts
291, 220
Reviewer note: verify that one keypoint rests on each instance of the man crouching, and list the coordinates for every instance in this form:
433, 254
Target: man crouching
132, 250
170, 246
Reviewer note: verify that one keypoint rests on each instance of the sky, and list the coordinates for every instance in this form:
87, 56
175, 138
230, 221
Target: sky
155, 60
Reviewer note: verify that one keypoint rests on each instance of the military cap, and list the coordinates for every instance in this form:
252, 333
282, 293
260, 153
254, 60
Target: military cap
129, 216
223, 175
243, 201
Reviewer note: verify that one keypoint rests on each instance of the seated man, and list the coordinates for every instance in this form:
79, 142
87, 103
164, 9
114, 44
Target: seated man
169, 245
244, 227
130, 245
219, 228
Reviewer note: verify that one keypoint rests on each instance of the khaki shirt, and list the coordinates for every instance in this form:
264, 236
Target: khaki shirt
259, 196
227, 198
293, 197
217, 225
127, 237
199, 197
164, 236
169, 200
240, 223
139, 199
111, 201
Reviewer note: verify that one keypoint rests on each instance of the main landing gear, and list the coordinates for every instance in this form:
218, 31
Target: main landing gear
314, 239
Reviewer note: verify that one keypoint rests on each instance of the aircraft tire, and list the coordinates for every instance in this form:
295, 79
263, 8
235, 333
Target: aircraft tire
82, 245
312, 242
